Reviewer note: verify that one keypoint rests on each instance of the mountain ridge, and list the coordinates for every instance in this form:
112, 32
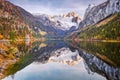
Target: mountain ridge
94, 14
19, 21
100, 22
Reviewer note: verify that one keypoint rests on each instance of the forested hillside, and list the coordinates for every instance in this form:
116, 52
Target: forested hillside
16, 23
108, 29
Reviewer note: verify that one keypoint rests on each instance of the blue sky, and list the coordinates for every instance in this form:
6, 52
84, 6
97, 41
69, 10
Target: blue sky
55, 6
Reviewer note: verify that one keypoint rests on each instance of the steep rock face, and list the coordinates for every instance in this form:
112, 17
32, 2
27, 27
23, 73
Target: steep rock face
95, 14
59, 24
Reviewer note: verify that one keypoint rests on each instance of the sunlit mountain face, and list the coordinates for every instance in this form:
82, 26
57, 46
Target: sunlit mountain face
59, 40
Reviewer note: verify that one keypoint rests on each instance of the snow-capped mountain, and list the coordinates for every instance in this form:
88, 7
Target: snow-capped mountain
58, 24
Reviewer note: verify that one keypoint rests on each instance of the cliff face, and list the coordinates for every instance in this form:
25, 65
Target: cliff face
95, 14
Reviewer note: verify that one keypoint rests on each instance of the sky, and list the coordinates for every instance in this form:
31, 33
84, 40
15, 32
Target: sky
53, 7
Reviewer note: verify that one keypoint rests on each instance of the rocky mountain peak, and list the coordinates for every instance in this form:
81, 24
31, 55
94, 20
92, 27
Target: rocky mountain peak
60, 24
71, 14
94, 14
74, 17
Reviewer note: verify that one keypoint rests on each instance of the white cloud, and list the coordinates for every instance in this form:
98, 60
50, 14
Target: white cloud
55, 6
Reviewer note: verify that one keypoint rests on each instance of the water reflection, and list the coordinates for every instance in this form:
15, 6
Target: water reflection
10, 53
109, 52
102, 58
56, 60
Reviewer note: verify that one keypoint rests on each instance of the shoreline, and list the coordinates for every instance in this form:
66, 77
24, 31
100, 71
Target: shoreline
76, 40
82, 40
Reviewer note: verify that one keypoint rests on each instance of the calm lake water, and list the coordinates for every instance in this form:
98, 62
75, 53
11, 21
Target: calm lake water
57, 60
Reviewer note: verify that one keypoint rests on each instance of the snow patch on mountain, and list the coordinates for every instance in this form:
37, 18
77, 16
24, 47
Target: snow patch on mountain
63, 22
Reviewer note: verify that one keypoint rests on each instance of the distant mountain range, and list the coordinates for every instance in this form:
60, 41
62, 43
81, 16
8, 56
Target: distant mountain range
59, 25
16, 22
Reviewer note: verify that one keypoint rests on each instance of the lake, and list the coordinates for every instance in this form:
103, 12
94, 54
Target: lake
59, 60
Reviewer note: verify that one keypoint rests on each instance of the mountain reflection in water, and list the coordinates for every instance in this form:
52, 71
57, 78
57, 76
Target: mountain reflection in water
57, 60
